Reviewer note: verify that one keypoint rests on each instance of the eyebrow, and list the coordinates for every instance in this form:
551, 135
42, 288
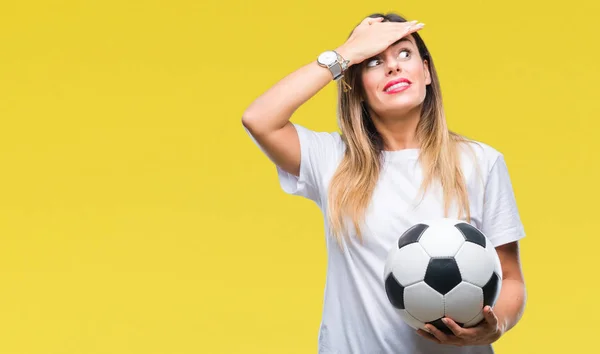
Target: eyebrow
403, 39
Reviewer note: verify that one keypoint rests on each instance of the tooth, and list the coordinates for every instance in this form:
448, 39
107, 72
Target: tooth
398, 85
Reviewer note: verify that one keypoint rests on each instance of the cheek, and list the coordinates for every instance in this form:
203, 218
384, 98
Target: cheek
414, 69
372, 82
369, 83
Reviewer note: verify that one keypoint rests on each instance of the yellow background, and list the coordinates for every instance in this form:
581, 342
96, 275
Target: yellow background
136, 216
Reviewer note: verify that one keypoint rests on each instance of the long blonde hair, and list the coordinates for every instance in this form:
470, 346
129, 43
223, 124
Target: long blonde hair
352, 185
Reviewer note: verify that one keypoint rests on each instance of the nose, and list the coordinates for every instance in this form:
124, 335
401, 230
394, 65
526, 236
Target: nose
393, 65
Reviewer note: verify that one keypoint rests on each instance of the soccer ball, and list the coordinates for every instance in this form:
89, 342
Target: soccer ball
442, 268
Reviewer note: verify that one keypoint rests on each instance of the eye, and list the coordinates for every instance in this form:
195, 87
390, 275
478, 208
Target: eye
404, 54
373, 62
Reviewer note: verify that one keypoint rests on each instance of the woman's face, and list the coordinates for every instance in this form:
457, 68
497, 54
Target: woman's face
395, 81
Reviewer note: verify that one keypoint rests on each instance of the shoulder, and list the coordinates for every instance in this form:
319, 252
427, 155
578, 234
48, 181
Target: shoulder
484, 155
320, 141
333, 136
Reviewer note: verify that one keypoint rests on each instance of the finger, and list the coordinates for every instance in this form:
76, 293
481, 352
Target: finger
399, 26
429, 336
455, 328
444, 338
371, 20
490, 316
441, 336
406, 28
415, 27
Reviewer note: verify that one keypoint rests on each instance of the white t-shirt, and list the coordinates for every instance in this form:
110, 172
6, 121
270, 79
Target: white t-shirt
357, 316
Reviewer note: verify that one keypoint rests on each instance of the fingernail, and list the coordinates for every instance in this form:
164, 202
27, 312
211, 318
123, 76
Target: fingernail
445, 320
415, 21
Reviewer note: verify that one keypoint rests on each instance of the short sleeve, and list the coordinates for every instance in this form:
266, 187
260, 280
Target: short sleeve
319, 156
501, 221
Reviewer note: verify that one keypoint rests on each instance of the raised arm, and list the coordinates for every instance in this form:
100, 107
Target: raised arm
268, 117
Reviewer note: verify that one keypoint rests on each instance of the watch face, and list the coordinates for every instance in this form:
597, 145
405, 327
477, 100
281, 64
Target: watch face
328, 58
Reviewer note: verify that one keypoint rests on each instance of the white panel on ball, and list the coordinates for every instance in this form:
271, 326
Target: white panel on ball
475, 320
463, 302
423, 303
439, 240
392, 255
475, 265
410, 320
409, 264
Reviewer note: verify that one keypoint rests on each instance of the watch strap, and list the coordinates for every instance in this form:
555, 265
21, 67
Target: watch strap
336, 70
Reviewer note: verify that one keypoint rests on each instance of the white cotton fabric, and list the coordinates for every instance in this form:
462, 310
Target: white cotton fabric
357, 316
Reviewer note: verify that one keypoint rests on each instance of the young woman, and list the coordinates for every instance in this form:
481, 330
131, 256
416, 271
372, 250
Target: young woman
394, 164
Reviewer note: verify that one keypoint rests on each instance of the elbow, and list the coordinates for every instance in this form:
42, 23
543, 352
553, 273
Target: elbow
247, 120
249, 124
250, 117
257, 123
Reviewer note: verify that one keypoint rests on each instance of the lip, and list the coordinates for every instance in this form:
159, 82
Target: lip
397, 81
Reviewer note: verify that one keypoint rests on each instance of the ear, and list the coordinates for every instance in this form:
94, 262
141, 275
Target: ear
426, 71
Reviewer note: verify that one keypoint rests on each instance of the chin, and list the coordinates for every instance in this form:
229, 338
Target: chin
398, 107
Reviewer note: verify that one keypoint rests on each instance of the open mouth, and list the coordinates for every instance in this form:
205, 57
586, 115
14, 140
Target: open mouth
397, 85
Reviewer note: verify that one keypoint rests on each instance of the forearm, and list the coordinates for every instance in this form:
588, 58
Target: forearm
273, 109
511, 303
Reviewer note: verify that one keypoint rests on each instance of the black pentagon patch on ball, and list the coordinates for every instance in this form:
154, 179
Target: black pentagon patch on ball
491, 289
471, 234
412, 235
439, 324
395, 292
442, 274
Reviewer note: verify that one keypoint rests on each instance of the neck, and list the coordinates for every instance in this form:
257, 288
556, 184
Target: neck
398, 133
